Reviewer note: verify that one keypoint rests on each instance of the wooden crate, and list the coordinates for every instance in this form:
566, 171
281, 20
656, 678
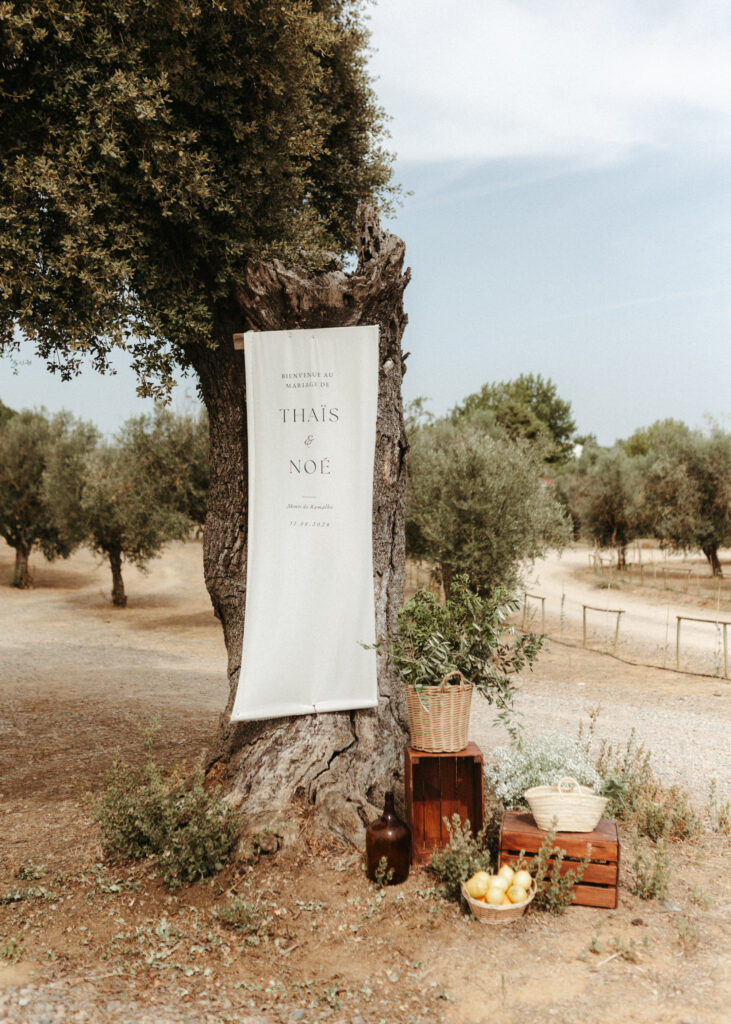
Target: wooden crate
598, 886
438, 786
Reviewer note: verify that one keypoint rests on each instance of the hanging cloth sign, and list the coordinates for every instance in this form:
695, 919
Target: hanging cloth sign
312, 400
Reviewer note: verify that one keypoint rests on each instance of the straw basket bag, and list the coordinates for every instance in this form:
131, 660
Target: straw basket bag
489, 914
441, 727
574, 808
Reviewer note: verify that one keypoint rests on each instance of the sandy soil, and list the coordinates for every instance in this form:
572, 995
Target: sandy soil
108, 943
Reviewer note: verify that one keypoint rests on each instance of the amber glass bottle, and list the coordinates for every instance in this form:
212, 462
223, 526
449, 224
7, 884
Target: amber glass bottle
388, 837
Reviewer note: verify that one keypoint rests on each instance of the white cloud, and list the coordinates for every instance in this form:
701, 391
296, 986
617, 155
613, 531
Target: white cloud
593, 79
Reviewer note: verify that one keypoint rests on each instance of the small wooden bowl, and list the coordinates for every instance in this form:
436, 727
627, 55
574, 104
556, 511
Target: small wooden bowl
489, 914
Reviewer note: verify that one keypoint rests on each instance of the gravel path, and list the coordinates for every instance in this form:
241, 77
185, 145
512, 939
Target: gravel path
688, 735
76, 1001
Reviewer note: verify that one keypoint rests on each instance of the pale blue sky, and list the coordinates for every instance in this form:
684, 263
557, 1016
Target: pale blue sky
571, 210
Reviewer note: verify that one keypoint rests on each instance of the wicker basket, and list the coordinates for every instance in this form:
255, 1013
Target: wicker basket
573, 808
441, 727
489, 914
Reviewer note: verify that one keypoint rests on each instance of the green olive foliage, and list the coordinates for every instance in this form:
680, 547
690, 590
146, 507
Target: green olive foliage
603, 491
151, 148
686, 489
129, 498
29, 442
476, 504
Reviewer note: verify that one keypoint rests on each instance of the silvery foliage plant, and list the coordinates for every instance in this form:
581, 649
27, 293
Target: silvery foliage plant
539, 761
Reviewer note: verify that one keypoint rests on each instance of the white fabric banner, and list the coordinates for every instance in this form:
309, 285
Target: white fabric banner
312, 401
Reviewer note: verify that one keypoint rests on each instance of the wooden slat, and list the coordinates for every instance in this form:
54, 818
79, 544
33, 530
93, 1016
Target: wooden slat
448, 801
471, 750
432, 806
519, 831
409, 796
418, 833
601, 874
595, 896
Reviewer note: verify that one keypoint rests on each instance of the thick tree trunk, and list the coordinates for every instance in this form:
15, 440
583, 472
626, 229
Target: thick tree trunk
341, 762
711, 553
119, 598
21, 575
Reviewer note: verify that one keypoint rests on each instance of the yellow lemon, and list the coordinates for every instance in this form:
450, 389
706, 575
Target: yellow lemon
523, 879
516, 894
476, 886
507, 873
495, 896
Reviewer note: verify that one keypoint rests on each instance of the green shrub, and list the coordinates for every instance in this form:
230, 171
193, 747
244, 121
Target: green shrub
142, 812
134, 810
629, 778
463, 855
719, 811
636, 794
202, 833
650, 870
242, 916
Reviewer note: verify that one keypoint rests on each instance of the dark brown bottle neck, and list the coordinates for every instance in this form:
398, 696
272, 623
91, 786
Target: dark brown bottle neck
389, 811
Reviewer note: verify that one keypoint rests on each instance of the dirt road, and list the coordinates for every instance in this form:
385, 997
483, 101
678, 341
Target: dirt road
648, 625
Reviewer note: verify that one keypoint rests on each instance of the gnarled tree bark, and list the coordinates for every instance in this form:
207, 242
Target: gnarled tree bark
341, 762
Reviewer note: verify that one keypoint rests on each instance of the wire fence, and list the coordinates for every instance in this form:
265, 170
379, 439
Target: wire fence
601, 631
612, 630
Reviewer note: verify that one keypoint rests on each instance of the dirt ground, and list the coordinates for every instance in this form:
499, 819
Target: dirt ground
88, 940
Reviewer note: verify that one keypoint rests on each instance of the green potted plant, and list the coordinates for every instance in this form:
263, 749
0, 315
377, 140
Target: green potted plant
442, 652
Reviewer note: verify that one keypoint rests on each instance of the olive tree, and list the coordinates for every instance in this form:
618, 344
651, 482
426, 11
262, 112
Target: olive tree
177, 171
686, 489
477, 505
127, 515
604, 494
29, 441
172, 449
127, 499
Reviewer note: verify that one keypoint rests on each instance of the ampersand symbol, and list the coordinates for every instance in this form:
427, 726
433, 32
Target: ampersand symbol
309, 440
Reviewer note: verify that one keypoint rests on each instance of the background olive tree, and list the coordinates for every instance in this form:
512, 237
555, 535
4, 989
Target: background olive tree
126, 499
29, 441
127, 516
603, 492
686, 487
477, 504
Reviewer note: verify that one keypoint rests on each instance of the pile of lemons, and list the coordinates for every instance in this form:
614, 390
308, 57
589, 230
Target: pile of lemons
503, 889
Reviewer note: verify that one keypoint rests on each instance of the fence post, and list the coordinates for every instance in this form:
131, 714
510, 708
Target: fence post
725, 650
677, 643
616, 631
583, 614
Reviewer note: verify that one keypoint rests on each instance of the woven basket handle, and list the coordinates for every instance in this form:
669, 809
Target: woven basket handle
572, 785
454, 672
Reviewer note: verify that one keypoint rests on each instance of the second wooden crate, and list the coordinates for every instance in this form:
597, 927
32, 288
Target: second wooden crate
438, 786
598, 886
